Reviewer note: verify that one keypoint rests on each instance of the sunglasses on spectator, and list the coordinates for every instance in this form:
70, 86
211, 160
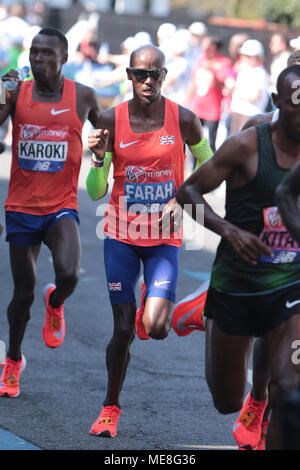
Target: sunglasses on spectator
142, 74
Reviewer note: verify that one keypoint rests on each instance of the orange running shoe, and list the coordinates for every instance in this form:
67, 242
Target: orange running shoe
139, 324
262, 442
248, 426
9, 383
188, 313
106, 424
54, 326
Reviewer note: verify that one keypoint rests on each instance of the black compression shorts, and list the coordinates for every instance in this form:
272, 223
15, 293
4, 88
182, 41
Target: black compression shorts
252, 315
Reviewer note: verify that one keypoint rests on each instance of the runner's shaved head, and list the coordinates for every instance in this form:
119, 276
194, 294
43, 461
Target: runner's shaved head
150, 51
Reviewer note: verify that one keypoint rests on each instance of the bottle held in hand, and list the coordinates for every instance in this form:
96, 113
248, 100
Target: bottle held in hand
23, 73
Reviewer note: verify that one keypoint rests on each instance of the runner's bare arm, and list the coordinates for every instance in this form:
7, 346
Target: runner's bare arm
100, 141
87, 104
106, 121
287, 195
230, 158
258, 119
192, 134
190, 126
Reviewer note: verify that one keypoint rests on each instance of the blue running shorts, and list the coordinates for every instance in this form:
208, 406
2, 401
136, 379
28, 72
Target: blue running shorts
123, 265
26, 229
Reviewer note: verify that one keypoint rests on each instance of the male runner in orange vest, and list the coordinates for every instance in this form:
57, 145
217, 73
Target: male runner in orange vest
47, 113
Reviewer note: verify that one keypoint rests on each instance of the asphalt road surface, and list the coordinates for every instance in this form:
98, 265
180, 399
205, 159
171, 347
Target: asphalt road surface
166, 404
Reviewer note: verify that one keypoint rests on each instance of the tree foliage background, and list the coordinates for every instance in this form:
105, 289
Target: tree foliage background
277, 11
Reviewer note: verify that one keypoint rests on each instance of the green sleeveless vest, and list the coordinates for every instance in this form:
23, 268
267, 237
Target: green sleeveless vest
252, 207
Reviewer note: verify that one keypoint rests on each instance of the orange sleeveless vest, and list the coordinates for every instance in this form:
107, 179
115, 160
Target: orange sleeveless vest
148, 169
46, 153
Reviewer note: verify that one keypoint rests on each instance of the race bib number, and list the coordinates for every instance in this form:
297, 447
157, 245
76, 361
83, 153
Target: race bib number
276, 236
148, 190
43, 148
148, 197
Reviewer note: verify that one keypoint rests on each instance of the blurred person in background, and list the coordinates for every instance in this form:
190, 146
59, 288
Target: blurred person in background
235, 43
280, 52
127, 46
205, 92
109, 75
81, 69
251, 92
75, 35
165, 34
14, 28
177, 81
197, 31
35, 13
118, 76
295, 43
234, 46
178, 77
23, 59
142, 38
272, 116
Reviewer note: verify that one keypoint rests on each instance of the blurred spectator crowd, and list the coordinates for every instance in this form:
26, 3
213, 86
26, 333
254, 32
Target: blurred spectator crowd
224, 84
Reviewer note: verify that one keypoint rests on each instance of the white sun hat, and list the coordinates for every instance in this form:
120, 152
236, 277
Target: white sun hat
252, 48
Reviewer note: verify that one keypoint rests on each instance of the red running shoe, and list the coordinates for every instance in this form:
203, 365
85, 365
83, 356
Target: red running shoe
54, 326
106, 424
188, 313
247, 428
9, 383
139, 324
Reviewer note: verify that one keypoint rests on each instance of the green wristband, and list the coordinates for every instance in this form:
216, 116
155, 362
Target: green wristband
96, 181
201, 151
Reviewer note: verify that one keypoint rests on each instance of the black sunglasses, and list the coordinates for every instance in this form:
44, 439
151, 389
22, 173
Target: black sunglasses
142, 74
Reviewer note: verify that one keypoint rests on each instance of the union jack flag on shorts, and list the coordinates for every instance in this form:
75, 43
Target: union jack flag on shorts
114, 286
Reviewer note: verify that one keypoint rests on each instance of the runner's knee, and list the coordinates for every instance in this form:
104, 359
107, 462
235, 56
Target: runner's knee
227, 405
124, 334
280, 387
157, 330
67, 277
